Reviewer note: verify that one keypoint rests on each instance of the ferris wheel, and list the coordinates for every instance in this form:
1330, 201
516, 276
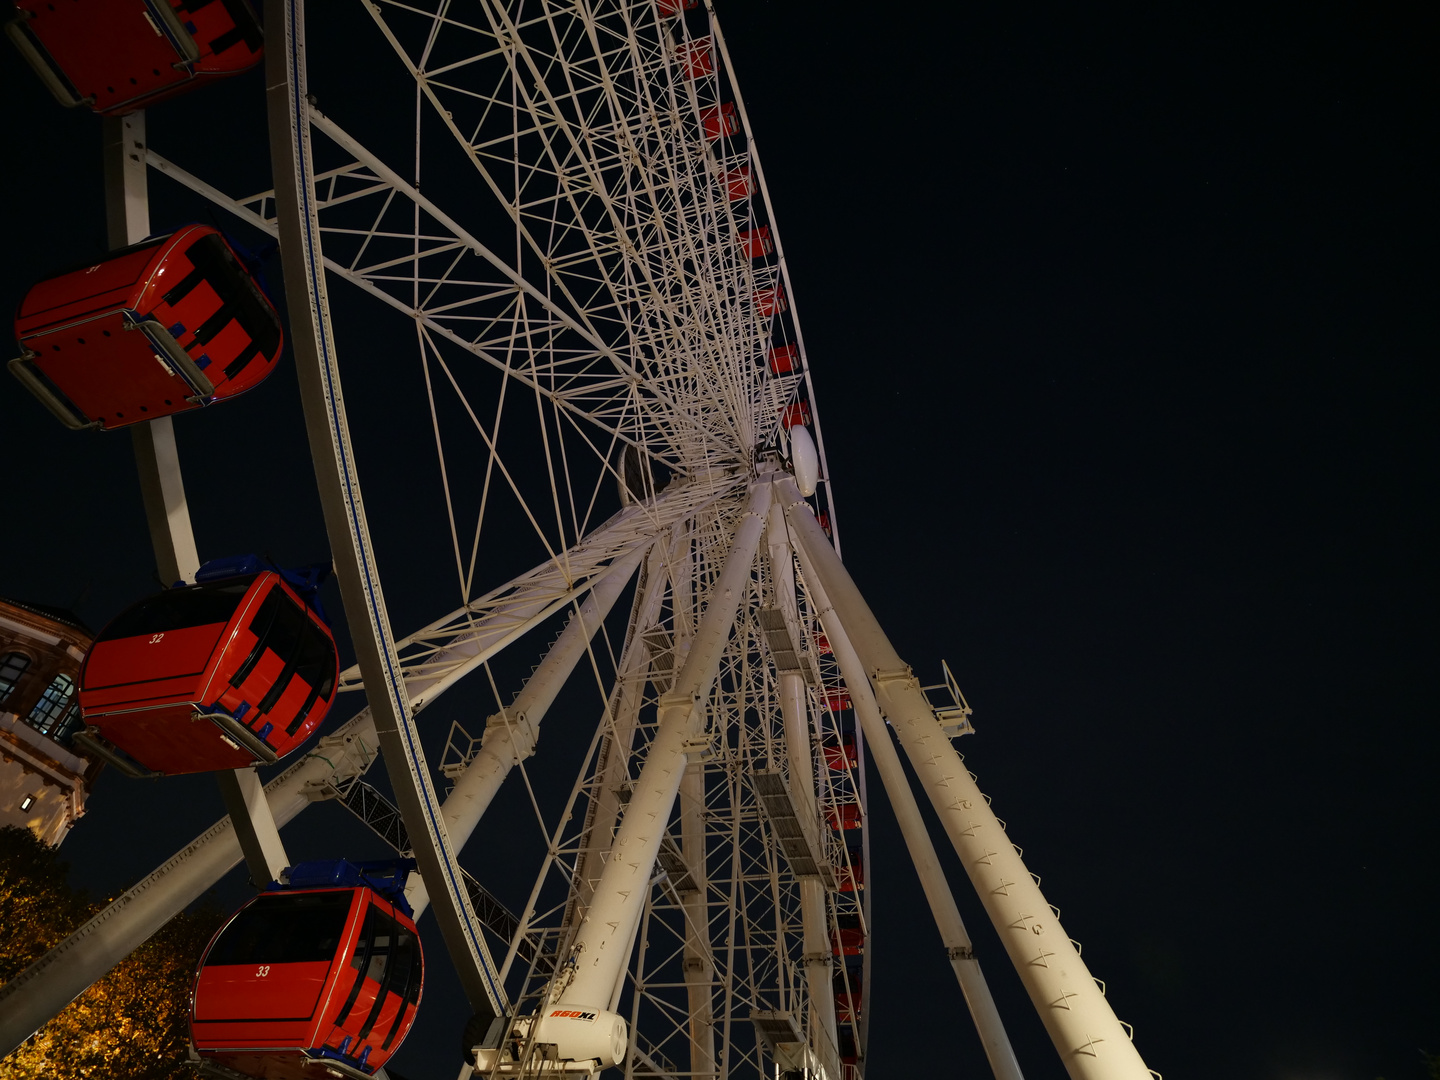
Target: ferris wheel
558, 236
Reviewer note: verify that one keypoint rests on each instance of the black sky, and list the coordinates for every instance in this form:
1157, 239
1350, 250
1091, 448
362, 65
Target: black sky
1123, 329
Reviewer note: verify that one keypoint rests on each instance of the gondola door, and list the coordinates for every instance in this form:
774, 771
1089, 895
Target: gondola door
378, 993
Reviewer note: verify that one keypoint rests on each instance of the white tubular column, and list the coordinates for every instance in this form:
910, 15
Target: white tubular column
510, 736
1091, 1041
699, 971
599, 953
624, 713
64, 973
814, 920
922, 851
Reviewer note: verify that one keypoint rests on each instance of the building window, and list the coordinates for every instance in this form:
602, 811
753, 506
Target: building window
54, 703
27, 802
69, 724
12, 667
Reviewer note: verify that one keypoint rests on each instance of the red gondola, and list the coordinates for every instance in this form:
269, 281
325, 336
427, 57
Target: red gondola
796, 413
317, 978
695, 57
161, 327
739, 183
842, 755
771, 302
757, 242
117, 56
845, 816
719, 120
235, 670
847, 939
784, 359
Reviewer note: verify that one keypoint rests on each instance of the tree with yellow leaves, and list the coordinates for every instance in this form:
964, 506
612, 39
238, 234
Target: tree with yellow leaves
133, 1023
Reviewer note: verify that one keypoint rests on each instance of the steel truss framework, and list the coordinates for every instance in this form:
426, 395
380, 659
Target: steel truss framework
579, 242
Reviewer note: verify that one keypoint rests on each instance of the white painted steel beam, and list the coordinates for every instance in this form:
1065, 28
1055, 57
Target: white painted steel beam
953, 935
599, 954
437, 656
1092, 1043
255, 827
622, 717
510, 735
695, 959
313, 343
813, 907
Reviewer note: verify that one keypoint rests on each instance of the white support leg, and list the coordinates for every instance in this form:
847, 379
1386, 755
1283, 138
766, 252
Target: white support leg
127, 220
699, 971
623, 710
922, 852
254, 825
510, 736
814, 916
1091, 1042
598, 955
166, 511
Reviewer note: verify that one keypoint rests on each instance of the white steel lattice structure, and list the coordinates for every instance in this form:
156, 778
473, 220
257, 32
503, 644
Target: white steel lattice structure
563, 220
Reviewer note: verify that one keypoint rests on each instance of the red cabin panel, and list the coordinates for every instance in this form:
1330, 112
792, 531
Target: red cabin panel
784, 358
696, 58
822, 518
757, 242
842, 755
302, 977
847, 941
719, 121
835, 700
822, 644
771, 301
668, 8
160, 328
798, 413
845, 816
117, 56
738, 183
219, 675
847, 1006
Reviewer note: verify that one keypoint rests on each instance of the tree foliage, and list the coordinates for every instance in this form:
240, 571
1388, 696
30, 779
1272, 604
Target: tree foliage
134, 1022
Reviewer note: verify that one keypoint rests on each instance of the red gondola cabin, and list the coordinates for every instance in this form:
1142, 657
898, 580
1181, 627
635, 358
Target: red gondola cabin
161, 327
719, 120
846, 816
757, 242
842, 755
306, 978
117, 56
233, 671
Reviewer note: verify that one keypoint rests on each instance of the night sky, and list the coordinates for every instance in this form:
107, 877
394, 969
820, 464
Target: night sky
1123, 328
